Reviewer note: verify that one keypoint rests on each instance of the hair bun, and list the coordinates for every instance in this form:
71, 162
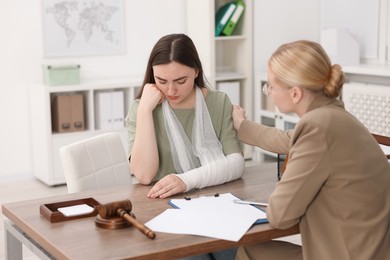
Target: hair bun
336, 81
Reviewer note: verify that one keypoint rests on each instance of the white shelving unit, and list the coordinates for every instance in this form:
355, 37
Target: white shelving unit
46, 143
224, 58
266, 113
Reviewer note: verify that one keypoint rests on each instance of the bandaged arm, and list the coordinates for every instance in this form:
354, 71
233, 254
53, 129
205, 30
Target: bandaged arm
218, 172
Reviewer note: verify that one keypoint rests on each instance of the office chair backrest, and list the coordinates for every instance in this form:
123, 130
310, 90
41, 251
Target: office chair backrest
96, 162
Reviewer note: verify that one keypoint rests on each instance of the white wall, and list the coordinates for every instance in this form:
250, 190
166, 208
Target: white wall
279, 21
21, 57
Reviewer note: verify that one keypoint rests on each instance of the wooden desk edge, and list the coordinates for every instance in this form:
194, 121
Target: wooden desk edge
203, 247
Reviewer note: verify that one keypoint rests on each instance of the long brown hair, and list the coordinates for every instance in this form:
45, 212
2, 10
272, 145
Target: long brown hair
173, 47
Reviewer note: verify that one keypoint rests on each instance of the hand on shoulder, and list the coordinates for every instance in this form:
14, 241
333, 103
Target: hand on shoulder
238, 115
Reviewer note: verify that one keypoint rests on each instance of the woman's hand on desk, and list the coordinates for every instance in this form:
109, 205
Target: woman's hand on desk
167, 186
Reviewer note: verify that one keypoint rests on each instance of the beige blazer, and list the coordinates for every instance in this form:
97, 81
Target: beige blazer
336, 184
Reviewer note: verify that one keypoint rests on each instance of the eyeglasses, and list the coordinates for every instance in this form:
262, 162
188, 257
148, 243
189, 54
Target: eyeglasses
267, 88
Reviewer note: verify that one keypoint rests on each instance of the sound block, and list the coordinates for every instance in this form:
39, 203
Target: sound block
112, 223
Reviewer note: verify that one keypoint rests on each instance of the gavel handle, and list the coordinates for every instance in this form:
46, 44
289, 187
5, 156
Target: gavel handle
138, 225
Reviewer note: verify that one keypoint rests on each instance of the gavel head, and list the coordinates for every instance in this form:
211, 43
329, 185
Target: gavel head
110, 209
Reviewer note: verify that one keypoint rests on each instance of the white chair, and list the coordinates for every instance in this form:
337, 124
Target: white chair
96, 162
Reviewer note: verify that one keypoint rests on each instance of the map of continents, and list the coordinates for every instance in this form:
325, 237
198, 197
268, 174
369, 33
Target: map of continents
83, 23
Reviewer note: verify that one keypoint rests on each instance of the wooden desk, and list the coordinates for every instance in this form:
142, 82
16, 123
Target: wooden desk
81, 239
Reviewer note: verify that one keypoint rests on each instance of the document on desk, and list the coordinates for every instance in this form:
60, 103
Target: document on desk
211, 216
385, 149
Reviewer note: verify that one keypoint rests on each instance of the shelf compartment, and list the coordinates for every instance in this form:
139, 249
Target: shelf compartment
230, 56
69, 111
240, 28
109, 112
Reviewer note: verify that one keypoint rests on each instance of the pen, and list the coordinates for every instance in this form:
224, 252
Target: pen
251, 202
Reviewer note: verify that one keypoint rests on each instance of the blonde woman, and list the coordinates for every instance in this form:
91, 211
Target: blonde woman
337, 179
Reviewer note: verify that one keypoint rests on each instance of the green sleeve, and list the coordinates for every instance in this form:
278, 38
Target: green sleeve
130, 122
220, 109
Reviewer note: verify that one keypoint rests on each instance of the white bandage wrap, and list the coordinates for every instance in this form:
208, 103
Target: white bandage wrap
201, 163
205, 144
218, 172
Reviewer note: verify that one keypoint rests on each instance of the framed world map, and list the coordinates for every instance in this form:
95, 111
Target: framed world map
81, 27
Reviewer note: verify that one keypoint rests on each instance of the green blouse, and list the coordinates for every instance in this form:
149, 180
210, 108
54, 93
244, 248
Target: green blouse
220, 109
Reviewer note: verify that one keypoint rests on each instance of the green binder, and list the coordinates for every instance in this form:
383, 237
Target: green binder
222, 16
234, 19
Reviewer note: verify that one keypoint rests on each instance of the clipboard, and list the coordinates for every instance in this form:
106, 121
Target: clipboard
179, 203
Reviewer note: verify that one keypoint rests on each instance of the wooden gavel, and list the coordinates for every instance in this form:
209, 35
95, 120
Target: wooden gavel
122, 209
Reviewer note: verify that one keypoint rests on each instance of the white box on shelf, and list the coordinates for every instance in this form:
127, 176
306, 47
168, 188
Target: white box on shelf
103, 110
117, 109
341, 47
232, 89
109, 110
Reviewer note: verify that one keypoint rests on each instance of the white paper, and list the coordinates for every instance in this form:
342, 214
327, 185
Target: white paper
76, 210
385, 149
210, 216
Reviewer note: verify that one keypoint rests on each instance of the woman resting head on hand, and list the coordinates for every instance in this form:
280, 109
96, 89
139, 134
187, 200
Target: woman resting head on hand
180, 132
